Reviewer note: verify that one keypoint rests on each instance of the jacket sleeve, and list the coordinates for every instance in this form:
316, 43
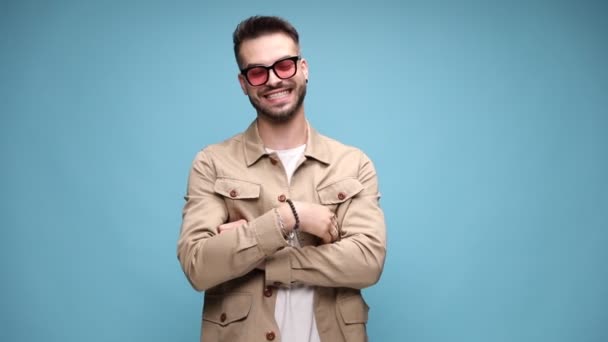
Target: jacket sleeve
207, 257
355, 261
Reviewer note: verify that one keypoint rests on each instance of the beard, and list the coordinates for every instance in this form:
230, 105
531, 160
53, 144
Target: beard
283, 114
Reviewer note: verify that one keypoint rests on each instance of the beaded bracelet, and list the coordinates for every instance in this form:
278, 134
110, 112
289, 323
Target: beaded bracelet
295, 214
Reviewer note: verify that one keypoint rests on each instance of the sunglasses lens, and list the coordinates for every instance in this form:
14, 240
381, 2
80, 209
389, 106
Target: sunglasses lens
257, 76
285, 68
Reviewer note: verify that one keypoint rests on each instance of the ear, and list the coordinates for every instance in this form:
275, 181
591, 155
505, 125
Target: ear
304, 68
243, 83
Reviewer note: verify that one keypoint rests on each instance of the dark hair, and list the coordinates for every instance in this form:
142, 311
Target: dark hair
256, 26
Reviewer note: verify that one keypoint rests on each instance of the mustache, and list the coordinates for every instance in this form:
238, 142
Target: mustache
279, 85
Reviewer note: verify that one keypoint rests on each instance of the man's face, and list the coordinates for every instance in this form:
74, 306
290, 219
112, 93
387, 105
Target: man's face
278, 99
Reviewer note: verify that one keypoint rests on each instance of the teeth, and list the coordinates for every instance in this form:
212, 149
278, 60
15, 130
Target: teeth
277, 95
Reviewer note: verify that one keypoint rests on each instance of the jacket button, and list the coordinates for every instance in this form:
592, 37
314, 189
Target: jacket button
267, 291
223, 317
273, 161
282, 198
341, 196
233, 193
270, 336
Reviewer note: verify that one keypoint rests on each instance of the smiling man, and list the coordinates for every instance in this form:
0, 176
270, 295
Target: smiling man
282, 227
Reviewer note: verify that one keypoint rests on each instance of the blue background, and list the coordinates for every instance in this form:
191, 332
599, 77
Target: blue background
487, 122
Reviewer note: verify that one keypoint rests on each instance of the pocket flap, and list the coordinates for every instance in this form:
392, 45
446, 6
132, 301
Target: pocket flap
224, 310
353, 309
236, 189
339, 191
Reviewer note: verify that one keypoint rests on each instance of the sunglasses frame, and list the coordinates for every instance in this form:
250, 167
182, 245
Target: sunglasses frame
295, 59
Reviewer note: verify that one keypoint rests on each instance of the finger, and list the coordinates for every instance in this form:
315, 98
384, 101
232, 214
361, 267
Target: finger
235, 224
325, 238
334, 220
224, 227
335, 231
334, 234
231, 225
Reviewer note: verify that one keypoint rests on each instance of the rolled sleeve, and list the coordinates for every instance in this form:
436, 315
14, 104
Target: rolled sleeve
268, 233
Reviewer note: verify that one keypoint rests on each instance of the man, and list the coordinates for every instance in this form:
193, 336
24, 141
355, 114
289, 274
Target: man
281, 226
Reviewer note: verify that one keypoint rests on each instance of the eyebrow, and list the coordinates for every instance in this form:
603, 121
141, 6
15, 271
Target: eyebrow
252, 65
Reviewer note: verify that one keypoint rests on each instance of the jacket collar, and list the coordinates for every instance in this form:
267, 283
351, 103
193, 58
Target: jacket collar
254, 147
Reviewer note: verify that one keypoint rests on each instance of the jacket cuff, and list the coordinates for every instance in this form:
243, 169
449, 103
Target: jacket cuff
278, 269
268, 233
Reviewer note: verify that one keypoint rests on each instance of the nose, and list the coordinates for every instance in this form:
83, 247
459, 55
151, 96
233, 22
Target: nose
272, 78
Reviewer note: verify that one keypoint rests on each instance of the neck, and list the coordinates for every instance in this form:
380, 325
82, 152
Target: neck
283, 135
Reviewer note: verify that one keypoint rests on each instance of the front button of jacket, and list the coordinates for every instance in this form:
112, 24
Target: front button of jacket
233, 193
270, 336
223, 317
268, 291
341, 196
282, 198
273, 161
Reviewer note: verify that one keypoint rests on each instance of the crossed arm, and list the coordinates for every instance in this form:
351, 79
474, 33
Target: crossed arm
212, 251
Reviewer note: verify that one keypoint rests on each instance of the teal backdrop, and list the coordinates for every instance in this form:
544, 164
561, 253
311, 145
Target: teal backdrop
487, 122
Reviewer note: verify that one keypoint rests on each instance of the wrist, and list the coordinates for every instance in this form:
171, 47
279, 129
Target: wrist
288, 219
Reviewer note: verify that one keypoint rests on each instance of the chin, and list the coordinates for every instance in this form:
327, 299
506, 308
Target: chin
278, 117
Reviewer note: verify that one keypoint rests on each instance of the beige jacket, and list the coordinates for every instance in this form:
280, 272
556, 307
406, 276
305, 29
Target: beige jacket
237, 179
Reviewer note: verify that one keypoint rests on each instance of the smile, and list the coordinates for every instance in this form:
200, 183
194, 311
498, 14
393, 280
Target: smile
277, 95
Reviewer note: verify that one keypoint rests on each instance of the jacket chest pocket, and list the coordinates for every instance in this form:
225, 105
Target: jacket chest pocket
241, 197
337, 195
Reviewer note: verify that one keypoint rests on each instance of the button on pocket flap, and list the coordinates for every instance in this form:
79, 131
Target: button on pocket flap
236, 189
339, 191
224, 310
353, 309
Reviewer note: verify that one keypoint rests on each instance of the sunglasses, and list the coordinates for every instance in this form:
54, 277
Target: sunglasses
284, 68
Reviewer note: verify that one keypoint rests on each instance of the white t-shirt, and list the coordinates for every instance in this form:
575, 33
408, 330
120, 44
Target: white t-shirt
294, 308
